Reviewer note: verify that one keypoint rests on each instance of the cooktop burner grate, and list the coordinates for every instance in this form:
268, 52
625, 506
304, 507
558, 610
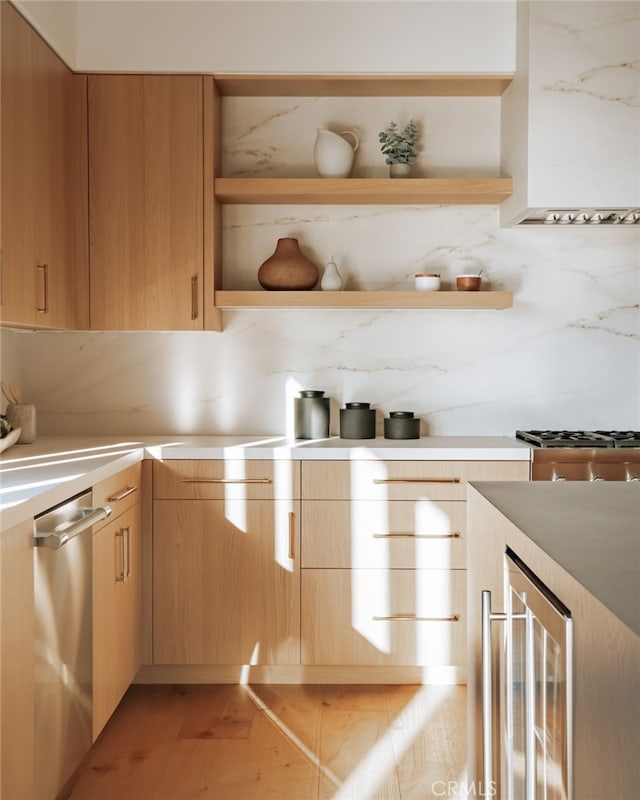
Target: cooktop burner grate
623, 438
581, 438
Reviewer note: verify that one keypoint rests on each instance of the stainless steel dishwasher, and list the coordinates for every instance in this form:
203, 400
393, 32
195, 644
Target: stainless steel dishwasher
63, 640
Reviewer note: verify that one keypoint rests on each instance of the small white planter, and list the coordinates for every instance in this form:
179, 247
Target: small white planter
400, 170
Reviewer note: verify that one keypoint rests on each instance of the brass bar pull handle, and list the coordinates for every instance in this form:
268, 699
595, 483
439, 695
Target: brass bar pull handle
292, 534
414, 618
44, 307
127, 572
194, 297
122, 494
415, 480
120, 578
407, 535
227, 480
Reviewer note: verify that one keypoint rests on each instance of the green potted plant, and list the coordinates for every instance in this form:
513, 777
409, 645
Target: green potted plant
399, 147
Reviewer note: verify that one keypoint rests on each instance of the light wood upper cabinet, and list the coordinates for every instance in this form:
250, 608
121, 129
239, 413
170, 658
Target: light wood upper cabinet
17, 188
146, 202
60, 174
44, 183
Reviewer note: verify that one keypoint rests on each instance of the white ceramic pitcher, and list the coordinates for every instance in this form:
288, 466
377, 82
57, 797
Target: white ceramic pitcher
333, 154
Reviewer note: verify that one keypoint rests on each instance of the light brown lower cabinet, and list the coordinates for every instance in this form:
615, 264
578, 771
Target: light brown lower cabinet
409, 534
384, 561
17, 663
393, 617
226, 578
117, 612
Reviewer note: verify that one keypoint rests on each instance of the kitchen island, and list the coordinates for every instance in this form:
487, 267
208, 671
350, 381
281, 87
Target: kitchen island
582, 540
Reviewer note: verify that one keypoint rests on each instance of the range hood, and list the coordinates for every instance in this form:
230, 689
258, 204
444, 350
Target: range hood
570, 121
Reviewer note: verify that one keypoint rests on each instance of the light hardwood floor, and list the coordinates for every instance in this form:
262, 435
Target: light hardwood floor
306, 742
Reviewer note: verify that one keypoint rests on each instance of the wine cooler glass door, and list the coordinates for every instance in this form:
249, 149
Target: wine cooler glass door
537, 683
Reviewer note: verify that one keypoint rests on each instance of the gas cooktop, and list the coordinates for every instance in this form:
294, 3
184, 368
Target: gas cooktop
581, 438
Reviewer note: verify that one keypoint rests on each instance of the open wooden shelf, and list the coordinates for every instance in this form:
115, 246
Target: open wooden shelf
364, 85
357, 191
391, 300
363, 191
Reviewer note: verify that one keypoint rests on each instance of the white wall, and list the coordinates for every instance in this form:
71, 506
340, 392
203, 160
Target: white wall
294, 36
56, 22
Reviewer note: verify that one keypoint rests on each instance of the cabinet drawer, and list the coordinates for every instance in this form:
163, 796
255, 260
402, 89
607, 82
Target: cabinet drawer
402, 480
226, 480
383, 617
424, 534
120, 491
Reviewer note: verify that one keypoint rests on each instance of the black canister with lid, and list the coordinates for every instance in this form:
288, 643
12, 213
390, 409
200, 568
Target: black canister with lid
311, 419
357, 421
401, 425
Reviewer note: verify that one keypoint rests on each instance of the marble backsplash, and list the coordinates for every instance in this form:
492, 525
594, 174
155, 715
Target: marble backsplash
567, 355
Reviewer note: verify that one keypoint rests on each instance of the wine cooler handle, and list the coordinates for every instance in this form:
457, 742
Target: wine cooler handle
530, 773
487, 712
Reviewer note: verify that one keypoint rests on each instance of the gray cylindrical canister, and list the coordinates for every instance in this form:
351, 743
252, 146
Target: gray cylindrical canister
357, 421
401, 425
311, 418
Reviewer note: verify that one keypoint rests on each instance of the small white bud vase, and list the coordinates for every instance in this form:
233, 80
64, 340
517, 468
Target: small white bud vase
331, 279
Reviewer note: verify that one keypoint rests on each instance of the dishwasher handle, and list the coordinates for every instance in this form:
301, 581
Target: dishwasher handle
56, 540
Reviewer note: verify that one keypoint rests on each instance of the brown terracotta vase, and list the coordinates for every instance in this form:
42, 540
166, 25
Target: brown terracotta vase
287, 269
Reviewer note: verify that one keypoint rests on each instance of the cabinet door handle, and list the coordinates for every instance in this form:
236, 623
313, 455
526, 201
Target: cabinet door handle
414, 618
120, 578
122, 494
415, 480
226, 480
408, 535
194, 297
128, 553
44, 308
292, 534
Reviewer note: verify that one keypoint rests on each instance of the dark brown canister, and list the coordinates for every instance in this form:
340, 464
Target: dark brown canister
401, 425
357, 421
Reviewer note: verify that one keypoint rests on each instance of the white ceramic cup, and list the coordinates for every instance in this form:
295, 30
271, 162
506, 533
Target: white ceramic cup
427, 282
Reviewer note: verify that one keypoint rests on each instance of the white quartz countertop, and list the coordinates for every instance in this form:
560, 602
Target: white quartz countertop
35, 477
427, 448
591, 530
